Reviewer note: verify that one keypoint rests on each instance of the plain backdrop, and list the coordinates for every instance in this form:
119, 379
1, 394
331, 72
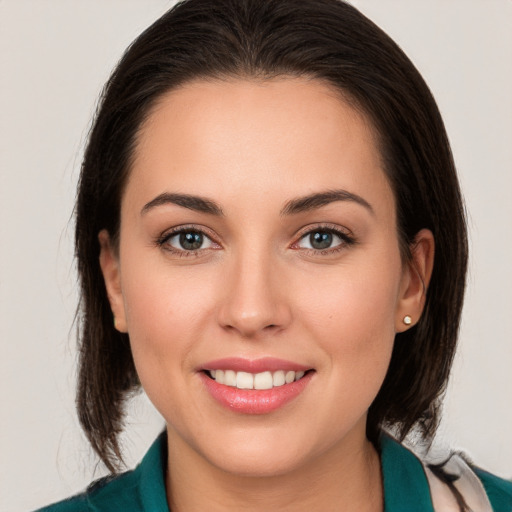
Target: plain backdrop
54, 58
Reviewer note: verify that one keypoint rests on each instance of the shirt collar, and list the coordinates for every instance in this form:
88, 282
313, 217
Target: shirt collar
153, 469
405, 483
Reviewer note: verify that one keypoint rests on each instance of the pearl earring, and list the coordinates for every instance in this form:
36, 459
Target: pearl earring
407, 320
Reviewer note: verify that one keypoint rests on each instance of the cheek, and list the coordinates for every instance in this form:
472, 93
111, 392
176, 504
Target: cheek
353, 323
165, 316
167, 310
163, 310
351, 316
351, 305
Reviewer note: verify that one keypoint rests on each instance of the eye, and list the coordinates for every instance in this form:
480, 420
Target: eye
187, 240
319, 240
323, 239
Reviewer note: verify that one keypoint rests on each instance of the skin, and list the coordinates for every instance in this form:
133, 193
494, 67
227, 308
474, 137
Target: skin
259, 290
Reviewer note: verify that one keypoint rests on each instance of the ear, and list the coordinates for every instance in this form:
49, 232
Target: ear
109, 263
415, 280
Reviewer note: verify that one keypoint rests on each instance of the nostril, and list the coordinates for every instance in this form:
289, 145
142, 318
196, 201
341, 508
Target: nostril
271, 328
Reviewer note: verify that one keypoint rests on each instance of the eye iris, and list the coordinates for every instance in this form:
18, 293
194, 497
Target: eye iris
320, 240
191, 241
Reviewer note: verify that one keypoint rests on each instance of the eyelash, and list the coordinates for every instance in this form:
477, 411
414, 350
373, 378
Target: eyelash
163, 240
346, 237
347, 240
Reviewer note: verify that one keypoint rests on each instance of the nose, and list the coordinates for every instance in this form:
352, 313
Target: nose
254, 300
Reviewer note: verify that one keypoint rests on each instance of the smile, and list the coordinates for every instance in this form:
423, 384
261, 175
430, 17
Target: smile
262, 380
258, 386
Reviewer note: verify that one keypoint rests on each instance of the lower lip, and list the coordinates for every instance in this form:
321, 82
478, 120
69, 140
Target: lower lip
255, 401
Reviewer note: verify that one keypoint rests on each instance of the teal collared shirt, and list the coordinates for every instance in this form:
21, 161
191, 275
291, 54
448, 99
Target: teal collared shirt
406, 487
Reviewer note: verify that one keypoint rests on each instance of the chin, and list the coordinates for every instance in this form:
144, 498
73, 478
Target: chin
261, 453
258, 465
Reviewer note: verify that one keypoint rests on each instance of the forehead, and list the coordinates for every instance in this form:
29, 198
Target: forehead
279, 137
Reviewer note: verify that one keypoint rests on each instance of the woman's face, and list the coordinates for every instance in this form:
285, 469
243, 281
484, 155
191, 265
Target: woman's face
258, 241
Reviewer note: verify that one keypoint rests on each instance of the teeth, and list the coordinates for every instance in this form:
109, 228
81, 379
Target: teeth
230, 378
278, 378
219, 376
244, 380
263, 380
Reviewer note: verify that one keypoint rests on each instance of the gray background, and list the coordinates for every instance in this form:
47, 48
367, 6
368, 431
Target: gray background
54, 57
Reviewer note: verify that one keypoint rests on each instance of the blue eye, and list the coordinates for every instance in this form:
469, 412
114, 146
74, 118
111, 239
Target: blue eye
189, 240
320, 240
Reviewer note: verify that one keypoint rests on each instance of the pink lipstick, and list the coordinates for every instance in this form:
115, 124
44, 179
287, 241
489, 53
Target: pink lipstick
254, 386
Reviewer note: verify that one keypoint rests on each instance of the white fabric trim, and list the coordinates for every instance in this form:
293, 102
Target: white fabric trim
467, 483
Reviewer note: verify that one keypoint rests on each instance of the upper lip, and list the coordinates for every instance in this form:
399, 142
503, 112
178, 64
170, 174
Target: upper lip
263, 364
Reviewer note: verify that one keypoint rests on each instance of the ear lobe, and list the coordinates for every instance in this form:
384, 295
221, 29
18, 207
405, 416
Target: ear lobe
109, 263
415, 280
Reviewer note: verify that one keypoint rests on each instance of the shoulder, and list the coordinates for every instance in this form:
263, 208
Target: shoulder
479, 489
499, 491
412, 478
138, 490
109, 494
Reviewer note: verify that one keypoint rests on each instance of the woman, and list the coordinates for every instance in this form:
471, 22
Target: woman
271, 242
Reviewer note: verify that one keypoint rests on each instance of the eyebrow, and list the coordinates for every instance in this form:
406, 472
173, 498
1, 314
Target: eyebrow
319, 199
196, 203
292, 207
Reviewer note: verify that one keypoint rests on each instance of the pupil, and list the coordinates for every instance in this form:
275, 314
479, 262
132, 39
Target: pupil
320, 240
191, 241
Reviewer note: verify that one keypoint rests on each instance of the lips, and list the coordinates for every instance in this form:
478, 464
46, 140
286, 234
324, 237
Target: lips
255, 387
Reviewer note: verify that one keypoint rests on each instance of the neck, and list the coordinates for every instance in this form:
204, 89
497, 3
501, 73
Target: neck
345, 478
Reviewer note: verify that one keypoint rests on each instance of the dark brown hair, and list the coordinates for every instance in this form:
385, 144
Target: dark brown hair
324, 39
